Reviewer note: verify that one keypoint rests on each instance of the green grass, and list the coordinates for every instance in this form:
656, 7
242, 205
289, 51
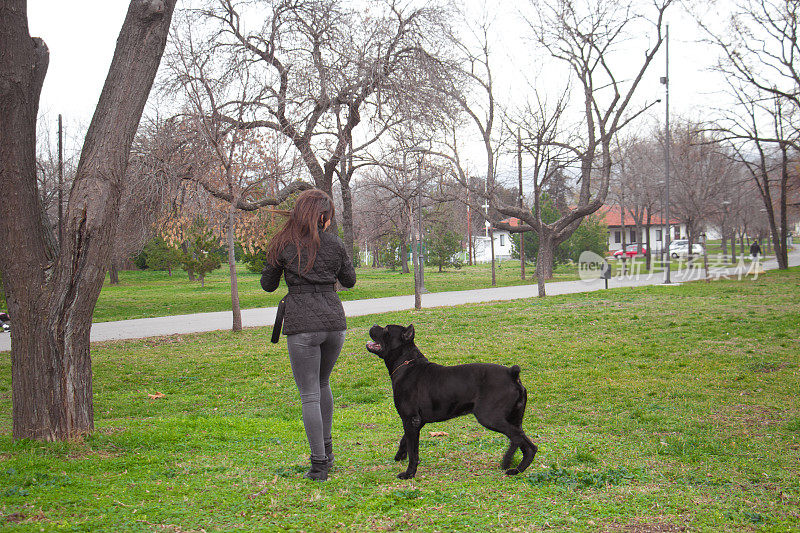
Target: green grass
142, 294
654, 409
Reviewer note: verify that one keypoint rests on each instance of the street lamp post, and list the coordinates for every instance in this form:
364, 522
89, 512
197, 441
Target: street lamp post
422, 289
661, 217
665, 81
725, 204
416, 250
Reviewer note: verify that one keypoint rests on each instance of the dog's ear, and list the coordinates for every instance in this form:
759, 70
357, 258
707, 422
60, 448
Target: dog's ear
408, 333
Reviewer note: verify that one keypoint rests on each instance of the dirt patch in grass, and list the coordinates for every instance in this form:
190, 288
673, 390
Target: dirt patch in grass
20, 518
95, 454
748, 416
165, 341
767, 368
643, 525
14, 518
110, 430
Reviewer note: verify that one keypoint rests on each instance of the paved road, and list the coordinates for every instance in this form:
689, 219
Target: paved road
200, 322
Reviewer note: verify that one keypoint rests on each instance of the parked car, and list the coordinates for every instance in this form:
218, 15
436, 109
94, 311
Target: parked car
631, 250
678, 243
680, 248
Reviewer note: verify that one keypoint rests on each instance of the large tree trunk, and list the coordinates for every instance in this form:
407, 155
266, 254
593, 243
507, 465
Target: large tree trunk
113, 274
347, 204
415, 262
544, 259
724, 245
781, 237
404, 256
52, 299
237, 311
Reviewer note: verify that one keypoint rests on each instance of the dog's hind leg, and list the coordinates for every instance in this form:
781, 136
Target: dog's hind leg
402, 452
509, 456
514, 418
516, 436
529, 450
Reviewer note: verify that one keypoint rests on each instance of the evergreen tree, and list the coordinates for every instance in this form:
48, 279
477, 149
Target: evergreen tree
591, 235
202, 254
256, 260
159, 255
441, 246
389, 254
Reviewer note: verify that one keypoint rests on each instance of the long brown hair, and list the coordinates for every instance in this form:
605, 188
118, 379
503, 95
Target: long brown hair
312, 209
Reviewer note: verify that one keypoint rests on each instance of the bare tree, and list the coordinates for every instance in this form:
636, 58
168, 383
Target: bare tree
637, 187
235, 163
701, 171
403, 180
471, 87
760, 60
381, 215
585, 37
152, 180
52, 291
316, 63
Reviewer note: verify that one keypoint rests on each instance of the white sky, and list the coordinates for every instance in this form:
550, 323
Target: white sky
81, 37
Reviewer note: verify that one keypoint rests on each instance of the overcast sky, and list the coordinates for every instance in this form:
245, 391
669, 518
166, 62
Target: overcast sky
82, 35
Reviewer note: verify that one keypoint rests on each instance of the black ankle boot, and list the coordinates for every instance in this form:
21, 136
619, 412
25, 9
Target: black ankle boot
319, 470
329, 454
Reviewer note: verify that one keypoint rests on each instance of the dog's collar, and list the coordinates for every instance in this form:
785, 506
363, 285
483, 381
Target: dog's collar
404, 363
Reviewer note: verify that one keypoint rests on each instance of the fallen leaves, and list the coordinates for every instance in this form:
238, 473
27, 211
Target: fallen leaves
156, 396
438, 433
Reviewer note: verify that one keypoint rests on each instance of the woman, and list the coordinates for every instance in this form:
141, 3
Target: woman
311, 260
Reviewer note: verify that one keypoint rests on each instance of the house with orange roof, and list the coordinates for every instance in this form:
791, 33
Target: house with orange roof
618, 225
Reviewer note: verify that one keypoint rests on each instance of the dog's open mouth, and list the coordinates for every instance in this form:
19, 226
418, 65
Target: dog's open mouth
374, 347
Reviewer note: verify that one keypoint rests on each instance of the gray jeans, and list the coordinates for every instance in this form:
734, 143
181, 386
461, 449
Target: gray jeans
313, 355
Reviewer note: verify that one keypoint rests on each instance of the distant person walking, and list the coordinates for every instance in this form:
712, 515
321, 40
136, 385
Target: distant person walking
755, 250
311, 260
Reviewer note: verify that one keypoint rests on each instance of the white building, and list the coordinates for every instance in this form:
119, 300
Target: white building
610, 215
503, 245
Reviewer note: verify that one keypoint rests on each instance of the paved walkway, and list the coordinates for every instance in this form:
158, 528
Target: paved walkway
200, 322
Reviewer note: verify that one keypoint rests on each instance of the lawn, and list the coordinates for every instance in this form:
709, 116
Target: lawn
143, 294
654, 409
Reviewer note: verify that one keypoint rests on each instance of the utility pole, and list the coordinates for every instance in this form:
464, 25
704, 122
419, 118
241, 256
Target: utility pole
489, 229
665, 81
414, 249
521, 204
421, 258
469, 229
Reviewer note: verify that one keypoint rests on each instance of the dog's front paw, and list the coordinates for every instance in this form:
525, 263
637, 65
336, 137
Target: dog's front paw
406, 475
400, 456
512, 472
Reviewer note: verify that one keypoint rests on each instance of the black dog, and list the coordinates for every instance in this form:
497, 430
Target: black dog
426, 392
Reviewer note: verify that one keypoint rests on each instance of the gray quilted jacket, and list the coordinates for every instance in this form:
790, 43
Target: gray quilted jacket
312, 311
